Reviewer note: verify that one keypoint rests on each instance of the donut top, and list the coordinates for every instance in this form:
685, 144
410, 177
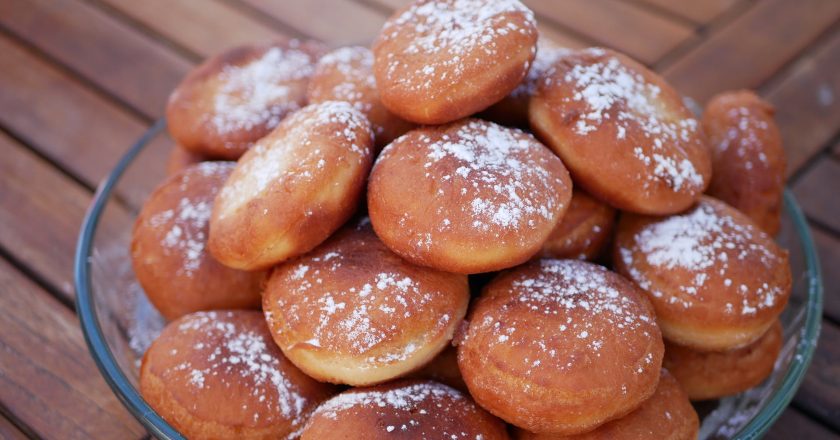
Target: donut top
493, 177
547, 54
352, 295
716, 252
257, 92
355, 63
610, 89
746, 127
557, 318
419, 409
184, 226
219, 355
308, 145
452, 36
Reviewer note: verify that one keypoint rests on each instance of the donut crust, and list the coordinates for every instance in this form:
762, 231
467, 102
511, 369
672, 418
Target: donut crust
560, 346
584, 231
623, 132
747, 156
717, 281
295, 188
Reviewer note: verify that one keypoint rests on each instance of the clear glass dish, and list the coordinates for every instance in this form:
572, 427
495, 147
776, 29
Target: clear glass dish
119, 323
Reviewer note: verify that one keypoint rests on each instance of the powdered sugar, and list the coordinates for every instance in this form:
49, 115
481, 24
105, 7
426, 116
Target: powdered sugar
357, 84
547, 55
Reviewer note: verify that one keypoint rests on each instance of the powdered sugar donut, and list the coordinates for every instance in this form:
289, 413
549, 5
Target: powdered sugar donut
467, 197
346, 74
712, 375
512, 110
667, 415
403, 409
353, 312
624, 133
444, 369
584, 231
717, 281
233, 99
294, 188
436, 61
560, 346
747, 156
219, 375
168, 248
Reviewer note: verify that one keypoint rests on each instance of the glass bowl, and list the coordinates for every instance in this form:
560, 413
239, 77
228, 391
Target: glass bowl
119, 323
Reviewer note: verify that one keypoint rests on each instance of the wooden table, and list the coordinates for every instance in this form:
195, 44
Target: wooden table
80, 80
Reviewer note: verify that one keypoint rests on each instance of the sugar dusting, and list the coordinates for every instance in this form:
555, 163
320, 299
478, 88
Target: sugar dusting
612, 93
547, 55
259, 92
702, 240
355, 65
455, 36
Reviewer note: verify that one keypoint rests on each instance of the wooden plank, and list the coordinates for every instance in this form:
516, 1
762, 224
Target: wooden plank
807, 101
828, 248
346, 23
817, 190
40, 214
47, 378
67, 122
700, 12
8, 430
751, 48
820, 391
116, 57
205, 29
626, 27
792, 424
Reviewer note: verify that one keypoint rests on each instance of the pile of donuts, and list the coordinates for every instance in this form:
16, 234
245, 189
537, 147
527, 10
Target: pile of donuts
463, 232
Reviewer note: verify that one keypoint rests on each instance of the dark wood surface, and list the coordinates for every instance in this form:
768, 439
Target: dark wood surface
80, 80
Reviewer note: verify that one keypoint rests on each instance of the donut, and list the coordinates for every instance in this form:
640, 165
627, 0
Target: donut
437, 61
409, 409
583, 232
181, 158
717, 281
219, 375
467, 197
712, 375
353, 312
346, 74
747, 156
561, 347
235, 98
624, 133
444, 369
512, 110
667, 415
168, 251
292, 190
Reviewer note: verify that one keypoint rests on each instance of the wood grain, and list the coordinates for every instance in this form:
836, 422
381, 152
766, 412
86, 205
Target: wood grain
623, 26
8, 431
792, 424
205, 31
828, 247
817, 192
700, 12
47, 379
121, 60
751, 48
820, 391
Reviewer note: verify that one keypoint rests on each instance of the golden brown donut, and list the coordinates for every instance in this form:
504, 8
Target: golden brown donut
624, 133
408, 409
512, 110
233, 99
346, 74
467, 197
353, 312
712, 375
583, 232
444, 369
747, 156
560, 346
219, 375
717, 281
437, 61
181, 158
667, 415
294, 188
168, 248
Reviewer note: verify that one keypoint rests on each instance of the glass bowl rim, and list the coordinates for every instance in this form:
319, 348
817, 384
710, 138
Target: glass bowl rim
157, 426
